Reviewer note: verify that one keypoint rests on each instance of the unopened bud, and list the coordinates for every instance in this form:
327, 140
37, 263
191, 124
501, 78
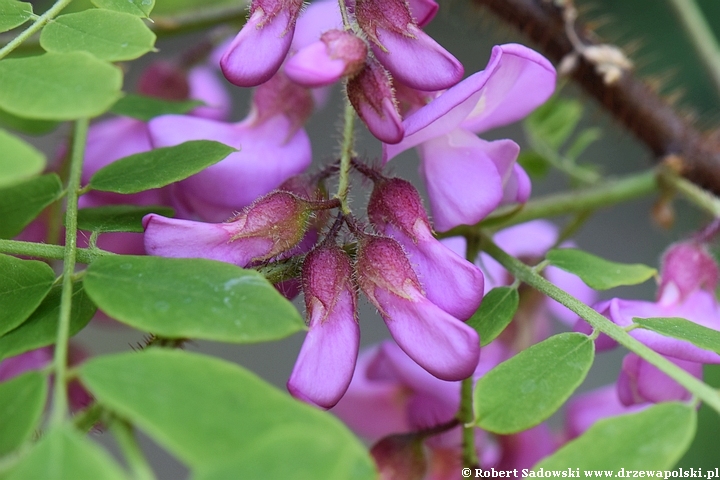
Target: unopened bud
371, 94
396, 202
686, 267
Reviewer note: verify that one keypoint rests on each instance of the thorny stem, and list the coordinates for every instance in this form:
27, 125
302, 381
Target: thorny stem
34, 27
701, 35
60, 400
346, 156
50, 252
602, 324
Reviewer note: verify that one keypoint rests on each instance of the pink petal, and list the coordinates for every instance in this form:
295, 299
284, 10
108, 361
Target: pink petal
258, 50
267, 157
168, 237
318, 18
113, 139
572, 285
423, 11
31, 360
515, 81
417, 61
312, 67
325, 365
462, 181
206, 87
437, 341
585, 409
517, 187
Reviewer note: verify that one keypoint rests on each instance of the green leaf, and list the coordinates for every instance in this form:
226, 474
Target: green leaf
19, 159
139, 8
40, 329
653, 439
146, 108
191, 298
13, 14
22, 202
108, 35
23, 285
118, 218
553, 122
596, 272
58, 86
22, 401
64, 454
214, 415
534, 164
495, 313
172, 7
582, 141
525, 390
27, 126
682, 329
159, 167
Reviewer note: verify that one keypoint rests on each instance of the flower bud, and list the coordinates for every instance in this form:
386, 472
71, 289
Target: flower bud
412, 56
337, 54
259, 49
270, 226
451, 282
327, 359
686, 267
435, 340
371, 94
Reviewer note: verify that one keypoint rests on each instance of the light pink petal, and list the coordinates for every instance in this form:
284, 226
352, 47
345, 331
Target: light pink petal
418, 62
32, 360
113, 139
257, 51
312, 67
523, 450
437, 341
207, 87
524, 81
423, 11
386, 124
168, 237
450, 282
463, 183
531, 239
700, 307
373, 407
267, 157
517, 187
325, 365
641, 382
318, 18
585, 409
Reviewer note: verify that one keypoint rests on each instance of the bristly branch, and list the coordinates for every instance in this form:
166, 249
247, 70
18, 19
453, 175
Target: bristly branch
629, 99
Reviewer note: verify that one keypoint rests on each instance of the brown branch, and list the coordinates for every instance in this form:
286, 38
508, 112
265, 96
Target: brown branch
630, 100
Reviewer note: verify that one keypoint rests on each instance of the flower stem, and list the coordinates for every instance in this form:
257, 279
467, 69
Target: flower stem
602, 324
51, 252
465, 415
60, 400
34, 27
346, 155
701, 36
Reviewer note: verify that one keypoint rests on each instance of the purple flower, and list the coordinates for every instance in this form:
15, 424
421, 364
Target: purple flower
467, 178
641, 382
688, 279
437, 341
259, 49
273, 147
270, 226
583, 410
449, 281
326, 361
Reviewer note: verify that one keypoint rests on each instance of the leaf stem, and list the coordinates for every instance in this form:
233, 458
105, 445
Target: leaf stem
602, 324
60, 400
696, 195
123, 433
34, 27
51, 252
346, 155
701, 36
